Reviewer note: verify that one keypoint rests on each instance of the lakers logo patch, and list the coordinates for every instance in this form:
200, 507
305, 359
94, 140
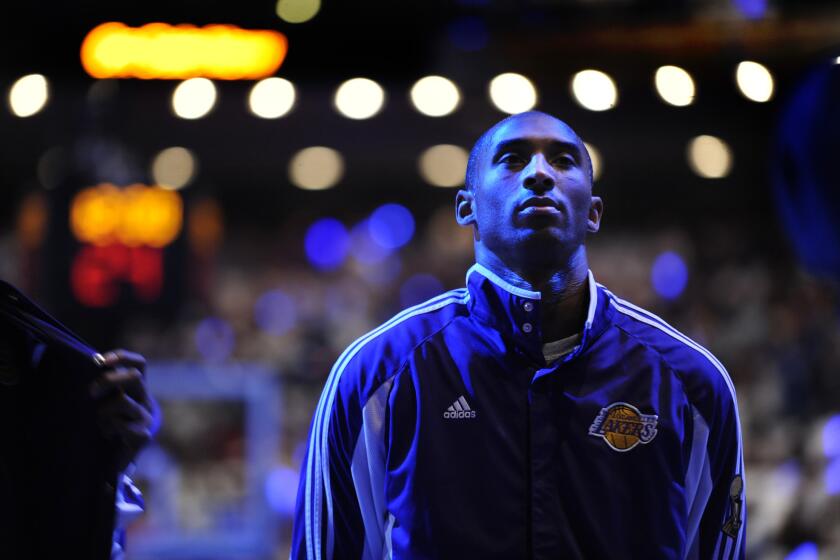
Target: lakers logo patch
623, 427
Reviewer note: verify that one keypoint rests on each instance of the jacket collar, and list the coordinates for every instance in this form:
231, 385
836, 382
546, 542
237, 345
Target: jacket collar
515, 311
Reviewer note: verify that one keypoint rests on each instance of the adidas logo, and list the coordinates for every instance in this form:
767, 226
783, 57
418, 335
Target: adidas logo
459, 409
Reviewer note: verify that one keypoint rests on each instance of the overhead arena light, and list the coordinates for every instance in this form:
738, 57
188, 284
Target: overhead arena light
177, 52
435, 96
297, 11
594, 90
359, 98
173, 168
28, 95
194, 98
709, 157
272, 98
754, 81
513, 93
316, 168
675, 86
443, 165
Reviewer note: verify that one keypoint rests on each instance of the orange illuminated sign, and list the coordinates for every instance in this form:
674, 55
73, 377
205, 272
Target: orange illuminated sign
133, 216
123, 232
160, 50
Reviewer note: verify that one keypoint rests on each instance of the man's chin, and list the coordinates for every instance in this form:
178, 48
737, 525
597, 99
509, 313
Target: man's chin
548, 242
548, 233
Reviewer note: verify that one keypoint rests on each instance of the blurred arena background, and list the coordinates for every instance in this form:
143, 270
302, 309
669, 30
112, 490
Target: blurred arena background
241, 232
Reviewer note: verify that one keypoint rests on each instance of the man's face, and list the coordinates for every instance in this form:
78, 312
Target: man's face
533, 192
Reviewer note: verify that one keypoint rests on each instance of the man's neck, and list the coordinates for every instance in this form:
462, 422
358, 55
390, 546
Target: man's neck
563, 287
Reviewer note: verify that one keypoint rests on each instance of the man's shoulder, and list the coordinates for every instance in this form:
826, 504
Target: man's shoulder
700, 370
382, 350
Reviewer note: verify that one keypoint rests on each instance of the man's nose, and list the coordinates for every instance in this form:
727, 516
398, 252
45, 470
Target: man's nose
538, 175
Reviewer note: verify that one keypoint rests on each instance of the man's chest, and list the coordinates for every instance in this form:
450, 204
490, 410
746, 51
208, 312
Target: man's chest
503, 442
484, 404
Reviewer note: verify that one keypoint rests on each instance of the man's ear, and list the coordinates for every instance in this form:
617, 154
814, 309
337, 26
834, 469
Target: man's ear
464, 211
596, 210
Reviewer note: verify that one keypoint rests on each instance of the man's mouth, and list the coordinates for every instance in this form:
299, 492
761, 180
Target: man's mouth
540, 205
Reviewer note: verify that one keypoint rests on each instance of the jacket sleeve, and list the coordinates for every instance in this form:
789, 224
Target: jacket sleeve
129, 506
329, 519
717, 514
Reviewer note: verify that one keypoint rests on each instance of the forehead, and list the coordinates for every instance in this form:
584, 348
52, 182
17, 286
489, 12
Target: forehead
533, 128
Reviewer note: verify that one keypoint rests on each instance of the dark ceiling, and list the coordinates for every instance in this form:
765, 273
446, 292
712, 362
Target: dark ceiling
243, 159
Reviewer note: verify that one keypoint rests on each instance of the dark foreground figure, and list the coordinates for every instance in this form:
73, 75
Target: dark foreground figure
71, 421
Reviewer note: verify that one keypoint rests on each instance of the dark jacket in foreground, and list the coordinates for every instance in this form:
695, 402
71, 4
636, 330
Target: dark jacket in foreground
58, 480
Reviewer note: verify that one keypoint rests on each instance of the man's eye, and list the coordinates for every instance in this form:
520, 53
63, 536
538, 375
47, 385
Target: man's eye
511, 159
564, 161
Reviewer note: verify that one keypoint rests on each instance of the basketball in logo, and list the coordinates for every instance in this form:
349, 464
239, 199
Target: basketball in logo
623, 427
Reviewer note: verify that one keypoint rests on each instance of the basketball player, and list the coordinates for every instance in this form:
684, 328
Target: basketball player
532, 414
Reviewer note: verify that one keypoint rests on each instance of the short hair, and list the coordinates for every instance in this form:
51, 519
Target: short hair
482, 144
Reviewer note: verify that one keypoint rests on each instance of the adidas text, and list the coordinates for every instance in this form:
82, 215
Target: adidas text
459, 414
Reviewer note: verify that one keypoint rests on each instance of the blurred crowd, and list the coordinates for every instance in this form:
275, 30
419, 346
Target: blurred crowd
774, 326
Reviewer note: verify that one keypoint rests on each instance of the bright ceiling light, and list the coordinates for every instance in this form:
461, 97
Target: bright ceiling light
709, 157
272, 98
435, 96
675, 86
754, 81
513, 93
443, 165
173, 168
297, 11
594, 90
359, 98
194, 98
28, 95
316, 168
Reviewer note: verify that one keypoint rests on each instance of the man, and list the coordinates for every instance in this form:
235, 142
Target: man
71, 422
533, 414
